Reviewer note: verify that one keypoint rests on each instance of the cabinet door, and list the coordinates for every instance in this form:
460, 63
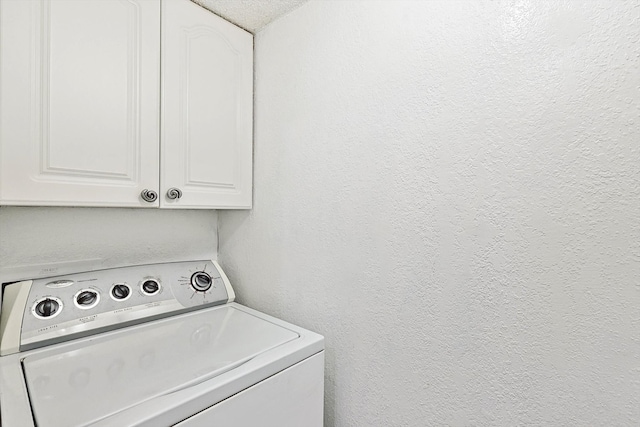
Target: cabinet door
79, 105
207, 97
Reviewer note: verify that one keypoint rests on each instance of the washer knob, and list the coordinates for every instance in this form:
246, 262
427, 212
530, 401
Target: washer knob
86, 298
120, 291
150, 287
201, 281
47, 307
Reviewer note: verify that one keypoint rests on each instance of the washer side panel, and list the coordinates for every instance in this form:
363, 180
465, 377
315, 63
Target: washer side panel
13, 306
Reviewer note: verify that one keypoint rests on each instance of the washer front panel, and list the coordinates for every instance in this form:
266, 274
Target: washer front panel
127, 368
175, 294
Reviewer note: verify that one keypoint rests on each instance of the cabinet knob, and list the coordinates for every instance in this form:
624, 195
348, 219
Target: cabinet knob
149, 195
174, 193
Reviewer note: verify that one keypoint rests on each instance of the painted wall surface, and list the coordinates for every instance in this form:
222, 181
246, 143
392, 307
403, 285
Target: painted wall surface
45, 241
449, 191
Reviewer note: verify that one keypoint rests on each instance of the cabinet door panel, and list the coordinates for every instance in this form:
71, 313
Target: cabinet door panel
80, 102
207, 97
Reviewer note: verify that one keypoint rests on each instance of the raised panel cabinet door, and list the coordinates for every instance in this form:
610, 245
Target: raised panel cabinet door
79, 102
207, 103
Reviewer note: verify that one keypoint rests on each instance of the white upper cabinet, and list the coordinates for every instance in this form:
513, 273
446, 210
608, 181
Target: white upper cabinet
207, 104
79, 102
86, 121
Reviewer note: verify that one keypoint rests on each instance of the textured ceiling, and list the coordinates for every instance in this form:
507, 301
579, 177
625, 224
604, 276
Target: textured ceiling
251, 15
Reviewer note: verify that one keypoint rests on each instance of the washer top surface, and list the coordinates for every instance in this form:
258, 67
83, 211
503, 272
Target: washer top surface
122, 369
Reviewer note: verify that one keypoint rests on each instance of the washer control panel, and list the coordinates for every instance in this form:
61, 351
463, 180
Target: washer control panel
61, 308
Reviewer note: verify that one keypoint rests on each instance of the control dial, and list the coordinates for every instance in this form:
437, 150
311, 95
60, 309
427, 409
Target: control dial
201, 281
86, 298
150, 287
120, 291
47, 307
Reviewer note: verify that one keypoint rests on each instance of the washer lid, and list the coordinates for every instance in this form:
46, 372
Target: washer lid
79, 385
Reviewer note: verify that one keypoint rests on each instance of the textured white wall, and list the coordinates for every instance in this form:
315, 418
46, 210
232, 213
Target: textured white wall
74, 239
450, 192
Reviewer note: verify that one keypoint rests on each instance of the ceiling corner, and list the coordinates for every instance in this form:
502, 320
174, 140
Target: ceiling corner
252, 15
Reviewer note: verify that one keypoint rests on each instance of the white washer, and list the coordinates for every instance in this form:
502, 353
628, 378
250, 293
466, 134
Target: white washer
184, 354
